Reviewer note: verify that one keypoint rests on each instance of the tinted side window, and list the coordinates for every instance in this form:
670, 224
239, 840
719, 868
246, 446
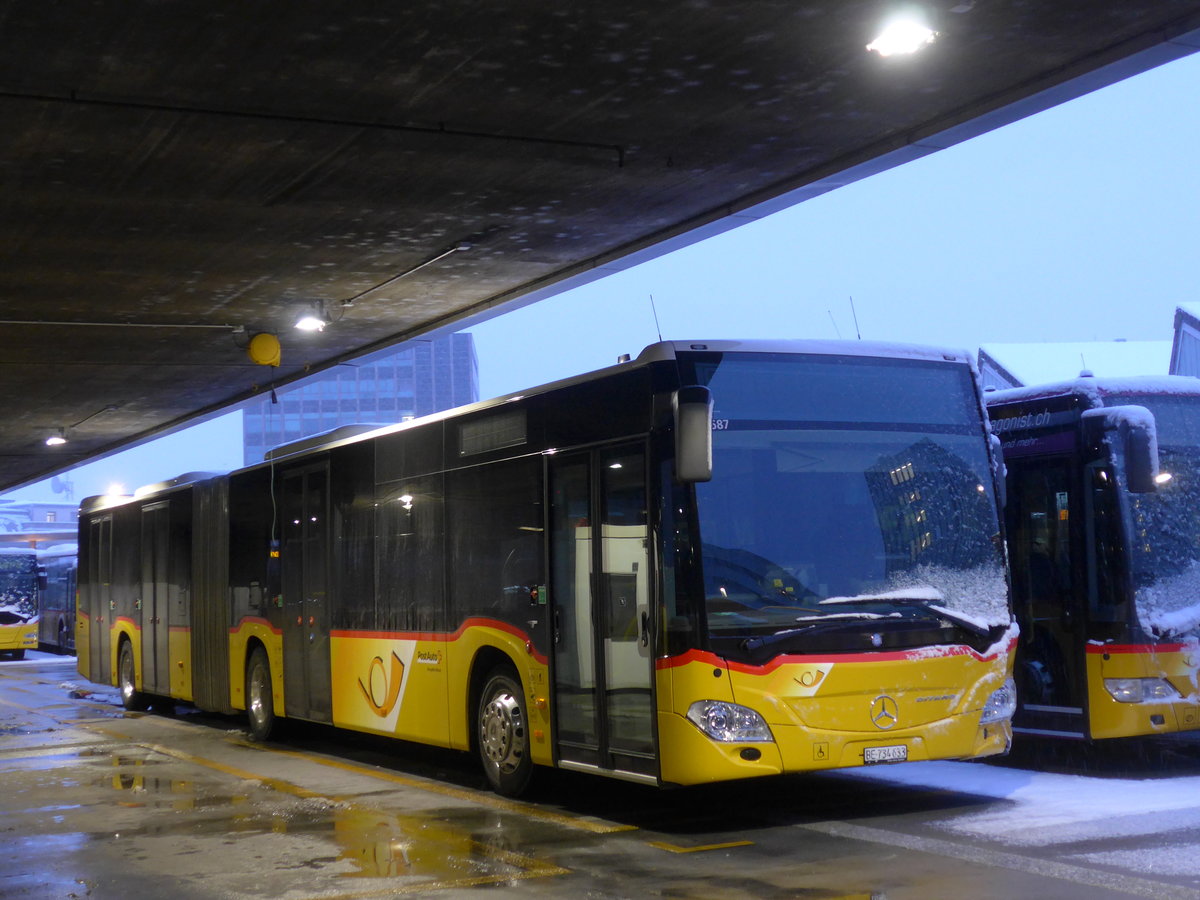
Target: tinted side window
411, 523
495, 527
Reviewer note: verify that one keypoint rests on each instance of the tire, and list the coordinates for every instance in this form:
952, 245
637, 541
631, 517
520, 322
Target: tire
18, 654
502, 729
260, 704
131, 697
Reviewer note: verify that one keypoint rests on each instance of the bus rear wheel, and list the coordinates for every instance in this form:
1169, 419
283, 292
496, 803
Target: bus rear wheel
504, 733
260, 704
131, 697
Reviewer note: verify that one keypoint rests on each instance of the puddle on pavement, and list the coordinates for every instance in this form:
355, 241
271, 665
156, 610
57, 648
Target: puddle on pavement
367, 843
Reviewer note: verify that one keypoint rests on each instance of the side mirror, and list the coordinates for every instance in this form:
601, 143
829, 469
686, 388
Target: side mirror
1132, 436
693, 408
1141, 458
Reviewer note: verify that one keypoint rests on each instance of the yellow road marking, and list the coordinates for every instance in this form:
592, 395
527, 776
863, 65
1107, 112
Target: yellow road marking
673, 848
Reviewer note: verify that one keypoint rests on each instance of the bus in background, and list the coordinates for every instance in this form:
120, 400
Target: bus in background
720, 560
1104, 539
56, 567
18, 601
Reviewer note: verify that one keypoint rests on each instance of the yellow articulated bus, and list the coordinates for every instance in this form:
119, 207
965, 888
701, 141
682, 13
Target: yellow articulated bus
1103, 494
717, 561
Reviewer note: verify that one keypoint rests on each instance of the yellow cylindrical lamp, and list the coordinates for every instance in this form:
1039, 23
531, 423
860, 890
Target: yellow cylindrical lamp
264, 349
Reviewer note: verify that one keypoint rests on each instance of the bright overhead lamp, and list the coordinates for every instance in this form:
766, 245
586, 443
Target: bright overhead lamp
1160, 478
313, 318
902, 36
57, 439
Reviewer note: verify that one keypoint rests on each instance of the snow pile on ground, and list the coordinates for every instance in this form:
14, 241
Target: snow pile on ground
1044, 808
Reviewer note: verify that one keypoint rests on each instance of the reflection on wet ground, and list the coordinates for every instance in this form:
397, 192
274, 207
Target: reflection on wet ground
98, 803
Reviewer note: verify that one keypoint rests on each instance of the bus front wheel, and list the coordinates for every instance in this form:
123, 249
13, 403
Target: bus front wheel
504, 733
131, 697
260, 704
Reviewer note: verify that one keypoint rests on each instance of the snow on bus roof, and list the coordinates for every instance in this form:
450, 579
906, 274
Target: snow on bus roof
1097, 389
888, 349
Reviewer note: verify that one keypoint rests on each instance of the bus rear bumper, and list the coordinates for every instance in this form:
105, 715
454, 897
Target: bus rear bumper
19, 637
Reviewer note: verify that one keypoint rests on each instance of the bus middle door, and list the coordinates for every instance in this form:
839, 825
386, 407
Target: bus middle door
603, 637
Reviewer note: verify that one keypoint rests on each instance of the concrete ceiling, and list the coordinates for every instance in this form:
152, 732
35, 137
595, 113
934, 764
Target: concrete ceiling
179, 175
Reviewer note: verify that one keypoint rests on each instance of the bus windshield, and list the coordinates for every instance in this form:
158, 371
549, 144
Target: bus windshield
1165, 551
851, 498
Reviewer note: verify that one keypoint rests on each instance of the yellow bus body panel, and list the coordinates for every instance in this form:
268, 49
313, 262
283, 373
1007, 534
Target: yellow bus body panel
179, 651
417, 686
83, 644
823, 711
1177, 663
240, 637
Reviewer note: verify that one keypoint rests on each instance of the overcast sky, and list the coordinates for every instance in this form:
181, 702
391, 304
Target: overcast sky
1077, 224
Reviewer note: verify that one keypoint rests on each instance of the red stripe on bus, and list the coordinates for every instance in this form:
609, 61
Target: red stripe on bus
703, 656
119, 619
253, 620
1135, 648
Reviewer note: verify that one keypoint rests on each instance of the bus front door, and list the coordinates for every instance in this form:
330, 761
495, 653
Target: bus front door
1049, 670
305, 568
603, 634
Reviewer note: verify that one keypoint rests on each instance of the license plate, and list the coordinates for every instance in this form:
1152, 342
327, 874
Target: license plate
890, 754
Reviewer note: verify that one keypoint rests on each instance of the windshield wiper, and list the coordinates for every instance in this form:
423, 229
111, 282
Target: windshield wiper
924, 596
813, 625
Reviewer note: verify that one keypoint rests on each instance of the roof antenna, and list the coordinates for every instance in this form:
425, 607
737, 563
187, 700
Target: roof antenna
657, 327
853, 313
836, 330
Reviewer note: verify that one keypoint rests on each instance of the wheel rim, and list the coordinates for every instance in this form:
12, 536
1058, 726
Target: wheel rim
502, 731
255, 705
127, 686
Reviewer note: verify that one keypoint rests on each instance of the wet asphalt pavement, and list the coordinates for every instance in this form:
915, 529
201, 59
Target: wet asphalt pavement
96, 802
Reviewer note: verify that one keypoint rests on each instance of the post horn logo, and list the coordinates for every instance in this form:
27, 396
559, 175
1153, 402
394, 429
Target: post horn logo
884, 712
382, 690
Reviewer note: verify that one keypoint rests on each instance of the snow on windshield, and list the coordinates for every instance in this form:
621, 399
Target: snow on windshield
978, 594
1171, 605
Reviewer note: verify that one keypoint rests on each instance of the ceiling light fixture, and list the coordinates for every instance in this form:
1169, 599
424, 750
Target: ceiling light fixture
59, 437
902, 36
314, 317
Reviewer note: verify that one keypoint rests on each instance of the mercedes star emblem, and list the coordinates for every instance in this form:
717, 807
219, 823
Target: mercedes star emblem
884, 712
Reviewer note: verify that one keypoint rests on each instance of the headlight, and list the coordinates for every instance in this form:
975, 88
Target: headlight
1140, 690
728, 721
1001, 704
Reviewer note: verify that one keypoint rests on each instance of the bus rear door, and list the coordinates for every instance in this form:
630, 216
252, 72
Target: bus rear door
305, 570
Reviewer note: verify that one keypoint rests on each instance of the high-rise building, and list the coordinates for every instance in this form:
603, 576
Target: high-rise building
416, 379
